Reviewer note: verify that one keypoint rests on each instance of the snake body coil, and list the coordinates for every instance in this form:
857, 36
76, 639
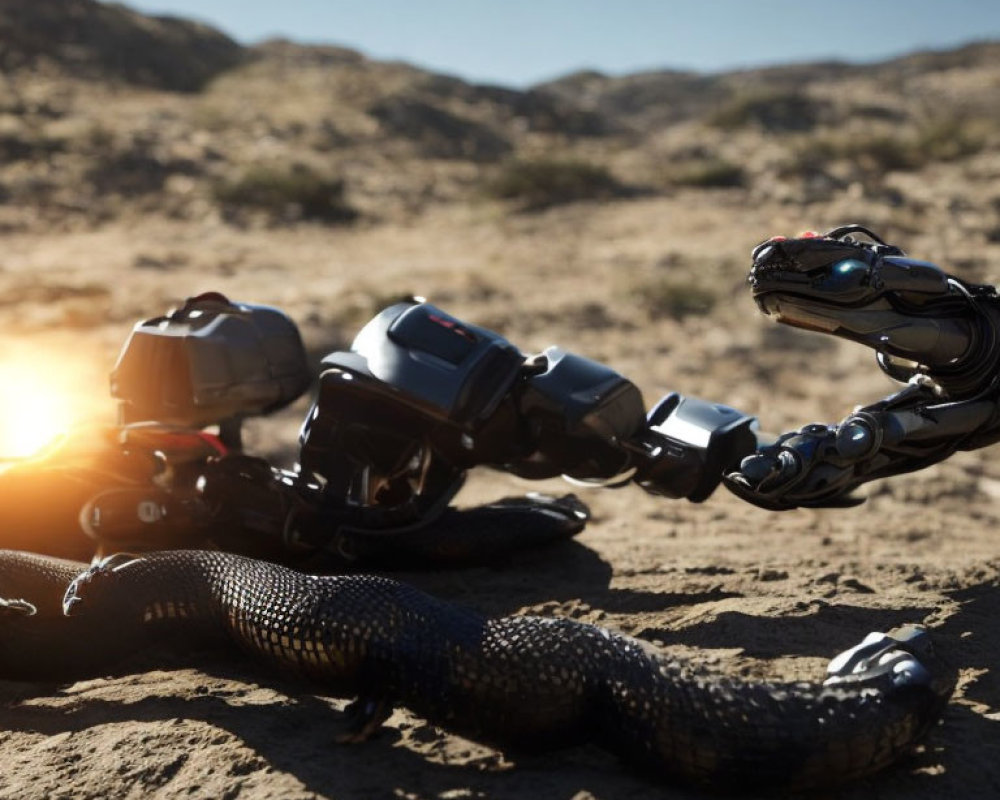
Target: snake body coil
521, 681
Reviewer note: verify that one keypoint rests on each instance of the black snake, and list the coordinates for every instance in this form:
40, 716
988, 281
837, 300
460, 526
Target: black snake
518, 681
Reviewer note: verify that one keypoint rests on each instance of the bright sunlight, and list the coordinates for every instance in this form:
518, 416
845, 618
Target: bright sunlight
34, 409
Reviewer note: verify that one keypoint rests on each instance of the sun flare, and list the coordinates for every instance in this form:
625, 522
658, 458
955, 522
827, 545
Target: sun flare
33, 410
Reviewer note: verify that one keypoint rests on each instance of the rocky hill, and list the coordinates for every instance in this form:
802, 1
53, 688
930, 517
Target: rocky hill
110, 42
654, 98
106, 112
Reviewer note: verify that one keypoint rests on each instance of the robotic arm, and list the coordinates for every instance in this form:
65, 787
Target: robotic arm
428, 383
419, 399
931, 330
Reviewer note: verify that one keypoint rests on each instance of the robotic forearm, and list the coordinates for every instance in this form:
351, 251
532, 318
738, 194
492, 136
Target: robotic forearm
422, 396
819, 465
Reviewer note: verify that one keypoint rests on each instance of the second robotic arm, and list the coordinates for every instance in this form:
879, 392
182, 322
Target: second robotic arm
936, 332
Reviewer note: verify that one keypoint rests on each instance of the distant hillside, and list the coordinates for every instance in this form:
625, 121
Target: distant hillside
106, 112
661, 97
110, 41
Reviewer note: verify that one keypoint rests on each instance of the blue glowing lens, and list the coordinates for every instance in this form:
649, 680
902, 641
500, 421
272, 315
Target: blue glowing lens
845, 275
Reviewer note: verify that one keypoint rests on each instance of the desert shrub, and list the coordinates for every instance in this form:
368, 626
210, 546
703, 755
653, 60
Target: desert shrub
438, 133
879, 153
296, 192
773, 111
871, 153
711, 173
14, 147
950, 138
940, 139
135, 171
808, 157
540, 183
98, 138
878, 113
673, 297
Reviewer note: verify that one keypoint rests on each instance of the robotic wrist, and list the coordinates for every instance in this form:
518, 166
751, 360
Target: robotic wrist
577, 416
689, 444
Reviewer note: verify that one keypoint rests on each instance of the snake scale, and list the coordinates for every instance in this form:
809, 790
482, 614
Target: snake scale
518, 681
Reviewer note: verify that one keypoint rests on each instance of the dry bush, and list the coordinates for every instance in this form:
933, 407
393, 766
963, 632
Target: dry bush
672, 296
135, 171
936, 140
773, 111
438, 133
287, 192
709, 173
540, 183
951, 138
23, 146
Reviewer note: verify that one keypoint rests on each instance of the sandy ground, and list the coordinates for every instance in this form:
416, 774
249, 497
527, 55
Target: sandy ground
747, 591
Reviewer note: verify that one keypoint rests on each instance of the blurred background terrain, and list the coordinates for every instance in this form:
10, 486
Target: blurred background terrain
146, 159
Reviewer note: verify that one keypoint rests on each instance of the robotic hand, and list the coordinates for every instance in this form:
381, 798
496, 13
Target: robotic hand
933, 331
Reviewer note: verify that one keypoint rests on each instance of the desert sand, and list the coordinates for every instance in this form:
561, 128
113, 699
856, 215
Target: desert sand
750, 592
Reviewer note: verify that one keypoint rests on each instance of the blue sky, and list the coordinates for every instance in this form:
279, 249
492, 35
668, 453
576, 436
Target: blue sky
519, 42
